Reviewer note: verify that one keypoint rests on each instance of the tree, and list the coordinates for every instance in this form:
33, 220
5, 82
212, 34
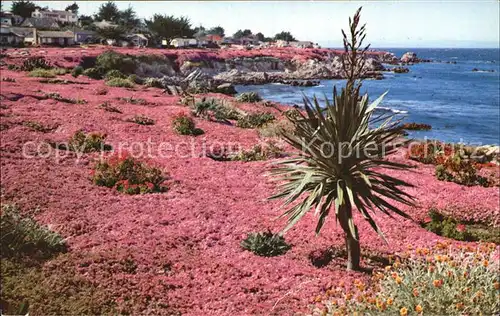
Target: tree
285, 36
341, 156
169, 27
23, 8
85, 20
240, 33
111, 33
260, 37
128, 18
109, 12
218, 30
73, 8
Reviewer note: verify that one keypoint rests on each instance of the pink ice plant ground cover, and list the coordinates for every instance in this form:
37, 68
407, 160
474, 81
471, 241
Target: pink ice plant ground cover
196, 227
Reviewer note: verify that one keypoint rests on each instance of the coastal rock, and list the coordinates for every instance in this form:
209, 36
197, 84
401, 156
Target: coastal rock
409, 57
226, 88
400, 70
482, 70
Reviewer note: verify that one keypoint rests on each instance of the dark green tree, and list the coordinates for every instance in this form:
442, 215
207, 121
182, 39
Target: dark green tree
260, 37
218, 30
169, 27
240, 33
341, 166
73, 8
285, 36
23, 8
128, 19
111, 33
109, 12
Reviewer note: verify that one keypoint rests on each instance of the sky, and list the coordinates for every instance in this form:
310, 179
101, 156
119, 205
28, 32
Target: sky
404, 23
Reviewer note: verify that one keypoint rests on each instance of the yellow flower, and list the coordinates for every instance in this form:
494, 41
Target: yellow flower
399, 280
460, 305
419, 308
390, 301
403, 311
437, 283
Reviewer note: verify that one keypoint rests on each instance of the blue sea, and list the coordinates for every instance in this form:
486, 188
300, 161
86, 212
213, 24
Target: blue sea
459, 104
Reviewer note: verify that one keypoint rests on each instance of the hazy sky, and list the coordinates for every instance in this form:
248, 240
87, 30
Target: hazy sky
389, 23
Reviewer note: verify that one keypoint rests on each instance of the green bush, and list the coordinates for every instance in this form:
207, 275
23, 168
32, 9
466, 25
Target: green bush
114, 74
213, 109
132, 100
42, 73
255, 120
39, 127
154, 82
129, 176
32, 63
119, 82
459, 170
24, 236
111, 60
265, 244
106, 106
259, 152
249, 97
94, 73
78, 70
56, 96
446, 280
85, 143
184, 125
142, 120
135, 79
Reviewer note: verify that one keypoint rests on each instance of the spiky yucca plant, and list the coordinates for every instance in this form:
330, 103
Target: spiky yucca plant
341, 144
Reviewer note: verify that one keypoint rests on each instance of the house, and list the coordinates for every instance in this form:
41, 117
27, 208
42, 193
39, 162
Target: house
104, 24
41, 23
248, 40
56, 15
28, 33
210, 40
5, 20
281, 43
8, 18
84, 36
184, 42
55, 38
137, 39
10, 38
301, 44
228, 41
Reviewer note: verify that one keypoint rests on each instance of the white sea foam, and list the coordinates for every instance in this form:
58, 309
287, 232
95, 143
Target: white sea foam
392, 110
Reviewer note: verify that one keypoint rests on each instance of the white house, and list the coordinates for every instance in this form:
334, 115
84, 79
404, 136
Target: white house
58, 15
281, 43
301, 44
5, 20
184, 42
55, 38
10, 38
137, 39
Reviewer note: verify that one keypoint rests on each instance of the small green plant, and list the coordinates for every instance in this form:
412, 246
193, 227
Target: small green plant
42, 73
135, 79
111, 60
56, 96
132, 100
446, 226
14, 67
276, 128
85, 143
259, 152
39, 127
250, 97
24, 236
35, 63
142, 120
94, 73
114, 74
120, 82
255, 120
77, 71
184, 125
129, 176
265, 244
106, 106
154, 82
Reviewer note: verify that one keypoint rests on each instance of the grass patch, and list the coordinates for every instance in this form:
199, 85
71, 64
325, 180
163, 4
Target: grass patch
120, 82
39, 127
142, 120
249, 97
255, 120
106, 106
184, 125
136, 101
265, 244
56, 96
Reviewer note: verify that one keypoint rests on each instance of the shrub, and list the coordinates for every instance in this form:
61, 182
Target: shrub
446, 226
85, 143
255, 120
94, 73
184, 125
111, 60
106, 106
39, 127
14, 67
259, 152
459, 170
154, 82
78, 70
62, 81
132, 100
142, 120
35, 63
276, 128
119, 82
135, 79
24, 236
114, 74
265, 244
56, 96
427, 152
101, 91
129, 176
60, 71
444, 280
42, 73
249, 97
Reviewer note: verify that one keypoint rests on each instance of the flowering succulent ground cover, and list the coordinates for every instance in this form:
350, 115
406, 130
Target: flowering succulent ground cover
179, 251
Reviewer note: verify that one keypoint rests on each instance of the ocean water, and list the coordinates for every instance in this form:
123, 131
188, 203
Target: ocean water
459, 104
